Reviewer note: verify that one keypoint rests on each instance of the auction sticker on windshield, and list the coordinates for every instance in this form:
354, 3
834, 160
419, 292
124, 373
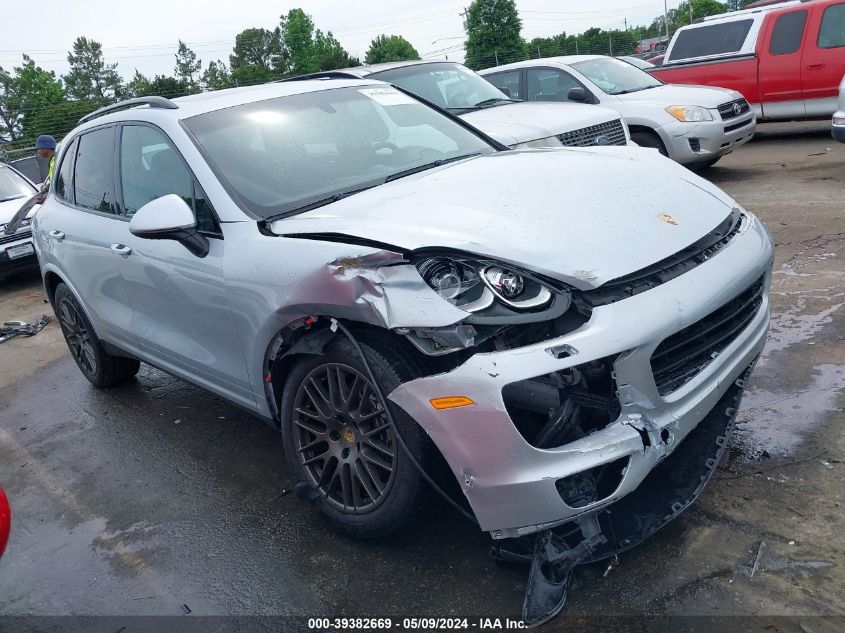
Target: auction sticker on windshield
387, 96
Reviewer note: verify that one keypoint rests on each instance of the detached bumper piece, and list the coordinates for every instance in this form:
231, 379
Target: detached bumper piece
667, 491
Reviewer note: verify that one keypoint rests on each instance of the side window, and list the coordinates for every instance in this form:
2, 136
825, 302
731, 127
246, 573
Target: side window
832, 29
711, 39
788, 32
93, 178
64, 180
507, 82
150, 167
548, 84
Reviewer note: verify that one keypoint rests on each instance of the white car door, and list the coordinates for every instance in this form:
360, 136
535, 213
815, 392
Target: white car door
182, 315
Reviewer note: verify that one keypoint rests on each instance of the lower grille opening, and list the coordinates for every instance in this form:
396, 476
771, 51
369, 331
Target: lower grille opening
591, 485
695, 144
679, 358
558, 408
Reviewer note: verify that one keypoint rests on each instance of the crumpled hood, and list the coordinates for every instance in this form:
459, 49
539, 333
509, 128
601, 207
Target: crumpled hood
679, 94
584, 216
514, 123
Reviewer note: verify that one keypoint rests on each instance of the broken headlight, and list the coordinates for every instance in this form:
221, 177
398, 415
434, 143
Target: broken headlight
475, 285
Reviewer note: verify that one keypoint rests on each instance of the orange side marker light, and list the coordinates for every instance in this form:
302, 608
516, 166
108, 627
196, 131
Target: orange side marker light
451, 402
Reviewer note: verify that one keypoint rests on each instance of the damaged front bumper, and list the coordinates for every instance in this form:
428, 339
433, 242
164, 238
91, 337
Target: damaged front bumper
516, 488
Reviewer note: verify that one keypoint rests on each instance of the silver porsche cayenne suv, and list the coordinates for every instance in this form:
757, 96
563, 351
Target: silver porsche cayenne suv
396, 291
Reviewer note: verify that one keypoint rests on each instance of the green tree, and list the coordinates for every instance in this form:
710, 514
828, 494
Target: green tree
493, 33
58, 119
24, 92
329, 54
187, 65
257, 57
216, 76
390, 48
90, 77
691, 10
297, 29
139, 85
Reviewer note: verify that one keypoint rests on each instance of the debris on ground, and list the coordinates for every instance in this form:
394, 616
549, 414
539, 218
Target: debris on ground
11, 329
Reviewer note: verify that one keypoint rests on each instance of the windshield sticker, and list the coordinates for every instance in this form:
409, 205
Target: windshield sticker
387, 96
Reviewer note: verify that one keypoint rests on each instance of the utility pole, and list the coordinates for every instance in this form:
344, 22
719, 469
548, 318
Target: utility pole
690, 11
666, 18
626, 24
538, 50
610, 44
576, 45
496, 53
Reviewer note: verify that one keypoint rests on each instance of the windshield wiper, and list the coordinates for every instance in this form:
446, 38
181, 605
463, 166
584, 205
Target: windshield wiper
494, 101
18, 197
630, 90
316, 204
431, 165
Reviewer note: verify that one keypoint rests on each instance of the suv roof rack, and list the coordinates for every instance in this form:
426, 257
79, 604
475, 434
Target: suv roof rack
327, 74
153, 102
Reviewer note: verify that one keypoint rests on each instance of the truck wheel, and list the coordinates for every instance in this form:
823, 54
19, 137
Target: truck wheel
338, 441
649, 139
100, 368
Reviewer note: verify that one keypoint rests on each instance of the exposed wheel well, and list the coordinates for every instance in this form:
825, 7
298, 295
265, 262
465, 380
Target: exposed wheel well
51, 282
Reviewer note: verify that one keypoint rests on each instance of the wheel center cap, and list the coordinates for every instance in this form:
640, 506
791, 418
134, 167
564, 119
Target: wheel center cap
349, 435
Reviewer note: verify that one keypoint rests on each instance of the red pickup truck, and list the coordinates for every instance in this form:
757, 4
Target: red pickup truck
786, 59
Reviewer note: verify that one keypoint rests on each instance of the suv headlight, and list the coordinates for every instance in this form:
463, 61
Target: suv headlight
551, 141
690, 114
476, 285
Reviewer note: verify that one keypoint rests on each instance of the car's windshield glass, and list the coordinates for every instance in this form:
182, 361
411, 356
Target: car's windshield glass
281, 155
448, 85
615, 77
13, 186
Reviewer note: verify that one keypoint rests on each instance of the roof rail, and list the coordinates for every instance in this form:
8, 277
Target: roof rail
153, 102
327, 74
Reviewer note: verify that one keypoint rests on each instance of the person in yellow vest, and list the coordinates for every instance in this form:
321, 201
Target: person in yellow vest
45, 155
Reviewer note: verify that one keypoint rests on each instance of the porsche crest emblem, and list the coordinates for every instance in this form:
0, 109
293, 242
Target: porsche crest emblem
668, 219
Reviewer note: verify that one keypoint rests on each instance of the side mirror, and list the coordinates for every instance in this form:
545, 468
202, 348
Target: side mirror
506, 91
578, 95
169, 218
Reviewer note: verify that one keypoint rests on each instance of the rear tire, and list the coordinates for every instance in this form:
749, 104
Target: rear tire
338, 441
643, 138
101, 369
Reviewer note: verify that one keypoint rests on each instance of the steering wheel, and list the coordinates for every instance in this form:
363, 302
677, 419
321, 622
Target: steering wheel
386, 145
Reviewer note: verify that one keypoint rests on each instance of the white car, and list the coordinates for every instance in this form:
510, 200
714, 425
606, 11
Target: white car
16, 250
693, 125
497, 113
839, 116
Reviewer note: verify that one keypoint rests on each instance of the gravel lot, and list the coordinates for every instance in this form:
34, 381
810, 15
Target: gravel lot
155, 495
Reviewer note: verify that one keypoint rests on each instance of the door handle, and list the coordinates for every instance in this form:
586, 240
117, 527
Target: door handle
120, 249
57, 235
814, 66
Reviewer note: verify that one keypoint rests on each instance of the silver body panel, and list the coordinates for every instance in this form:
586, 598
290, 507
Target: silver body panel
583, 216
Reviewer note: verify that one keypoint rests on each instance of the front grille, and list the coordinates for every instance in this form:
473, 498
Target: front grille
609, 133
667, 269
679, 358
736, 126
728, 112
14, 237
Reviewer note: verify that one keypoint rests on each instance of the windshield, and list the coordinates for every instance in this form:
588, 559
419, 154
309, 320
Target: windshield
448, 85
615, 77
281, 155
13, 186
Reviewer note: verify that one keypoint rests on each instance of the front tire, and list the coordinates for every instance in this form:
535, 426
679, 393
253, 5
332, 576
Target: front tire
101, 369
338, 440
644, 138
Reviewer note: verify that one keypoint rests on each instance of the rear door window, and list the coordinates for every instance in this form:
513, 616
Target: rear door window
64, 180
832, 29
712, 39
788, 32
507, 82
93, 181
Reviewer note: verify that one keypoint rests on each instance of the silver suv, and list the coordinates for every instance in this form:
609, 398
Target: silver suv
314, 250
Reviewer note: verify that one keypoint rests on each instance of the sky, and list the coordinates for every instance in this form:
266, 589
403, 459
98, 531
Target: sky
143, 34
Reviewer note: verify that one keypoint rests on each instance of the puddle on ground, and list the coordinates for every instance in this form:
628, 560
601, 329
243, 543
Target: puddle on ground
793, 326
775, 424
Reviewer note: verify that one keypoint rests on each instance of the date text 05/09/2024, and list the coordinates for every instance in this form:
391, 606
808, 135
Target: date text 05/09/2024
415, 624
